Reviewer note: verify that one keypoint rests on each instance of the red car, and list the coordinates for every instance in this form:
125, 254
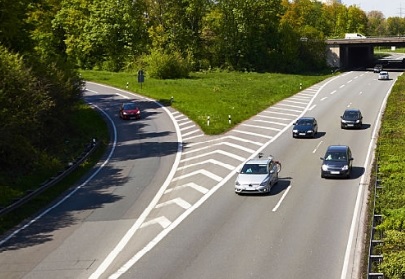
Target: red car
130, 111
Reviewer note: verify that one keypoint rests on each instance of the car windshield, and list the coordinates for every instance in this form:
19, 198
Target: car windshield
254, 169
129, 106
351, 115
304, 122
335, 156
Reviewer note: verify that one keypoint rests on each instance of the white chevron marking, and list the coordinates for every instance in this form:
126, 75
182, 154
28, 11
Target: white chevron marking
178, 201
199, 188
210, 161
162, 221
203, 172
215, 152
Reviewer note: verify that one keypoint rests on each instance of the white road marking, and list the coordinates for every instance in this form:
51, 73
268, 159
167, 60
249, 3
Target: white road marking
209, 161
203, 172
214, 152
236, 146
324, 98
199, 188
177, 201
311, 108
333, 92
342, 86
162, 221
252, 134
261, 127
317, 147
270, 122
282, 198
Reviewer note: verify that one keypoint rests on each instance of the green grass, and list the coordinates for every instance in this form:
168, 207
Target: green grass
214, 94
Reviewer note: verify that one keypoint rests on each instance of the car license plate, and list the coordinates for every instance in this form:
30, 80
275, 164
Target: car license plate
302, 134
335, 172
350, 125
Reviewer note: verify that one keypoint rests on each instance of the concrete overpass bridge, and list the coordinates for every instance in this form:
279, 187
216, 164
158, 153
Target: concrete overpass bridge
357, 52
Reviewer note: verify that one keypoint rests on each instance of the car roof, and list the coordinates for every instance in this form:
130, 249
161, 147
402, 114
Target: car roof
306, 118
352, 109
333, 148
383, 72
258, 161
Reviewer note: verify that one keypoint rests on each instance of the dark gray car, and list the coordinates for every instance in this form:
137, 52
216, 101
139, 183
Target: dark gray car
351, 118
305, 127
337, 162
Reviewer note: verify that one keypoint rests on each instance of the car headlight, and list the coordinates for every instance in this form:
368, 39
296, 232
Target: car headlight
124, 112
357, 121
295, 131
344, 121
310, 131
324, 167
345, 167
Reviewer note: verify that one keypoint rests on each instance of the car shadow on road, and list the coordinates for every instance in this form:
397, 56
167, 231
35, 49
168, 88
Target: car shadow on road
319, 135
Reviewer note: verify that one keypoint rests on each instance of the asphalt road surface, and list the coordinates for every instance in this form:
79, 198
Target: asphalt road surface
149, 211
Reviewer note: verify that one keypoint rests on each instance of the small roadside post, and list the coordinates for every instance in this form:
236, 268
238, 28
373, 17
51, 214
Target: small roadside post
141, 77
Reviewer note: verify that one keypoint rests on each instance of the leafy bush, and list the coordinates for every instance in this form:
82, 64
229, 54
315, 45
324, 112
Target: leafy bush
164, 65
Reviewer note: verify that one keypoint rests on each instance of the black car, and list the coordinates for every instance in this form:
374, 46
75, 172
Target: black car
337, 162
305, 127
378, 68
351, 118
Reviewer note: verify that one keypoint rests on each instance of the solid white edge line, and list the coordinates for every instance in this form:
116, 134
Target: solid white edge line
124, 241
75, 189
369, 159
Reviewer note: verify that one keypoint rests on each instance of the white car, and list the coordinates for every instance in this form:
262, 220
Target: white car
383, 75
257, 176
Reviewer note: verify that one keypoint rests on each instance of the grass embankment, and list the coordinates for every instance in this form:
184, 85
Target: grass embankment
214, 94
390, 200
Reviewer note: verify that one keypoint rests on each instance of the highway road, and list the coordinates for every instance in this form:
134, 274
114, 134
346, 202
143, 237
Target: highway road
138, 217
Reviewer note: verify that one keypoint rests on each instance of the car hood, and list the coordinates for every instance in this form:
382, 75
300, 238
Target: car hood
350, 118
251, 178
335, 164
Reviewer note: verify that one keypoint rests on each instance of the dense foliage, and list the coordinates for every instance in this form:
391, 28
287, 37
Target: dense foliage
253, 35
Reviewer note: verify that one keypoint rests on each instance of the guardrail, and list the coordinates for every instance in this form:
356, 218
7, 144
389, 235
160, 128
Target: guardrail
53, 180
376, 236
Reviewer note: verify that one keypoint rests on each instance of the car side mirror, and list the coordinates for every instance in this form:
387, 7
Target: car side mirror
322, 158
351, 159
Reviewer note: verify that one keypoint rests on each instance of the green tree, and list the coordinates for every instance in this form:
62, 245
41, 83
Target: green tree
376, 23
14, 30
395, 26
356, 20
23, 103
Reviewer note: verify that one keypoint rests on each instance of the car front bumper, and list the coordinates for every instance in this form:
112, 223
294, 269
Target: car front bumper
335, 173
